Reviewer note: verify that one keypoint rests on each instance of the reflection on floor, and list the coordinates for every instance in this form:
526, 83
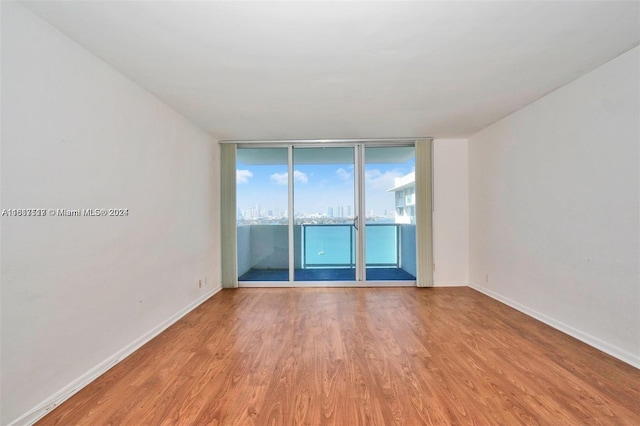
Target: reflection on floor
326, 274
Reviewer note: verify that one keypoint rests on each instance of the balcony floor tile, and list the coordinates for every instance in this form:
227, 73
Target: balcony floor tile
326, 274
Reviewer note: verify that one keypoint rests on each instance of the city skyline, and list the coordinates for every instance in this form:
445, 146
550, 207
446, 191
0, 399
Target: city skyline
333, 212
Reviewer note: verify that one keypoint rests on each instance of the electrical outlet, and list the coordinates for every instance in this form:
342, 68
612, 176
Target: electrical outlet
199, 283
205, 281
486, 278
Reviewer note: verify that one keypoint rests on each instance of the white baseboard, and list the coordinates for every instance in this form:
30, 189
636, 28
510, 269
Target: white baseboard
450, 284
614, 351
42, 409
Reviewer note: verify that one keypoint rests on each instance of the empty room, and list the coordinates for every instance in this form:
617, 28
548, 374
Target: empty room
319, 213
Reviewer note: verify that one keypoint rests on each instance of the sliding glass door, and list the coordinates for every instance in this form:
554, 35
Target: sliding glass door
262, 218
325, 214
389, 204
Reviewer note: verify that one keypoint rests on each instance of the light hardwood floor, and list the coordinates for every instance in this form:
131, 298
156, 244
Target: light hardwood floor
379, 356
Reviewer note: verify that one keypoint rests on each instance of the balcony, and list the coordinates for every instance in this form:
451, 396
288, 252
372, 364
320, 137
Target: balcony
410, 200
325, 252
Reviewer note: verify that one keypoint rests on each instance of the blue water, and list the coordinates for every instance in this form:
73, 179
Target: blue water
335, 245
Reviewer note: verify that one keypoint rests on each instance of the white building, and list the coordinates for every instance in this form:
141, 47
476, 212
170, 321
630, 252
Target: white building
405, 193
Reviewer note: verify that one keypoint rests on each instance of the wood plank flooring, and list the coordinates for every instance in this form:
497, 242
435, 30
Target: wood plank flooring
339, 356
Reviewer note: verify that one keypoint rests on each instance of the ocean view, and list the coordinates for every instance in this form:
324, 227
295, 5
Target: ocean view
335, 245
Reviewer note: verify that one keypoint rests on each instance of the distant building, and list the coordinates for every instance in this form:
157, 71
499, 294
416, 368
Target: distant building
405, 195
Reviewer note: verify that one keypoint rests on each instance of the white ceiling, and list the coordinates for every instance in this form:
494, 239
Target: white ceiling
307, 70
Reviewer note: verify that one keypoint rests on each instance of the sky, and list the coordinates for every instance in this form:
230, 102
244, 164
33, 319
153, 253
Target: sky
317, 186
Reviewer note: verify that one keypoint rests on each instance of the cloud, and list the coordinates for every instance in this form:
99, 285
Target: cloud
280, 178
382, 181
283, 178
343, 175
298, 176
242, 176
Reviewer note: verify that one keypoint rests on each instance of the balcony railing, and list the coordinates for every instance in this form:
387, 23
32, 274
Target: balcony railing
333, 245
265, 247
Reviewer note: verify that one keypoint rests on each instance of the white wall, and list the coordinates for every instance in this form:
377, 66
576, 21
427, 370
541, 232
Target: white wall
554, 208
451, 212
79, 292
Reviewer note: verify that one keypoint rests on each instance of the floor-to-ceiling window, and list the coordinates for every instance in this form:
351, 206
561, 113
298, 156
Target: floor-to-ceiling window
325, 225
390, 225
329, 213
262, 199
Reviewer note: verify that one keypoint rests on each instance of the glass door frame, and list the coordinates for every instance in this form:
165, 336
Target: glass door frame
359, 146
359, 271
